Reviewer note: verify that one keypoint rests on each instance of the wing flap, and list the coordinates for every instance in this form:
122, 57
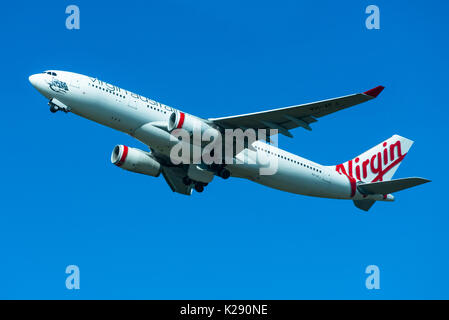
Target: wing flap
173, 176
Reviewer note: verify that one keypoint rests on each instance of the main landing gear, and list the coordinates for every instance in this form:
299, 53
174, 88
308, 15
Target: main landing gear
224, 173
221, 171
197, 185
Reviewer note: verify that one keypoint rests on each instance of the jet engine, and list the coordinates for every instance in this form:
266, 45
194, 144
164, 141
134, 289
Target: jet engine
181, 120
135, 160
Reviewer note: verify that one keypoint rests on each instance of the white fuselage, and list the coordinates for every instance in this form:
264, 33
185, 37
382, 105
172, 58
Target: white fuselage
133, 114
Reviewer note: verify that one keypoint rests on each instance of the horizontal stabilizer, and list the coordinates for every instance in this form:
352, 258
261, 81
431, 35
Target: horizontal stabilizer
387, 187
365, 205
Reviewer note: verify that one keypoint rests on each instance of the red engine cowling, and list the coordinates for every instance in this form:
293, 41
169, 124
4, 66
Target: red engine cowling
181, 120
135, 160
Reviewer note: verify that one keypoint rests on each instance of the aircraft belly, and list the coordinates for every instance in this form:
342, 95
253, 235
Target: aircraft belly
296, 180
107, 112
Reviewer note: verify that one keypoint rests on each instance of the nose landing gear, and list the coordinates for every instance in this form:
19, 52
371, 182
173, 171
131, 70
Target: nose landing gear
56, 105
54, 108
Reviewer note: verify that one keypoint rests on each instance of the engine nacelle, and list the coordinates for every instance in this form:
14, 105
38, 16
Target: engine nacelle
135, 160
181, 120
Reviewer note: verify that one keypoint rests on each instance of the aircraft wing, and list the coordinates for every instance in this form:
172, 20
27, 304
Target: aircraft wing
292, 117
174, 176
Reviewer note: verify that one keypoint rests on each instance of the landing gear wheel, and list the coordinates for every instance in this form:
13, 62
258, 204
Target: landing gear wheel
53, 108
224, 173
199, 187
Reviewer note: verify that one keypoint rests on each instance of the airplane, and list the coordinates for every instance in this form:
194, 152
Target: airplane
365, 179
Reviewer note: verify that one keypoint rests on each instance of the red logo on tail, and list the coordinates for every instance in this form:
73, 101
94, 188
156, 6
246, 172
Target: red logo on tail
378, 164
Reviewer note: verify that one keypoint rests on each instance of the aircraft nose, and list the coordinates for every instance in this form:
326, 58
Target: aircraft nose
38, 82
34, 80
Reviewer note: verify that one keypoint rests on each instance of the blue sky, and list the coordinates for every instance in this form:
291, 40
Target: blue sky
64, 203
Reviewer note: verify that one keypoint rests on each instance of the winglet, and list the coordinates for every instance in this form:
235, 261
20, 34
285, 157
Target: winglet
374, 92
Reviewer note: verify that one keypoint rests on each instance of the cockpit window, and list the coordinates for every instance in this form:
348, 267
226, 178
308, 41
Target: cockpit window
50, 73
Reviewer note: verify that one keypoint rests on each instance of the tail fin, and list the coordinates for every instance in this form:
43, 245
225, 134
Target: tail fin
378, 163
